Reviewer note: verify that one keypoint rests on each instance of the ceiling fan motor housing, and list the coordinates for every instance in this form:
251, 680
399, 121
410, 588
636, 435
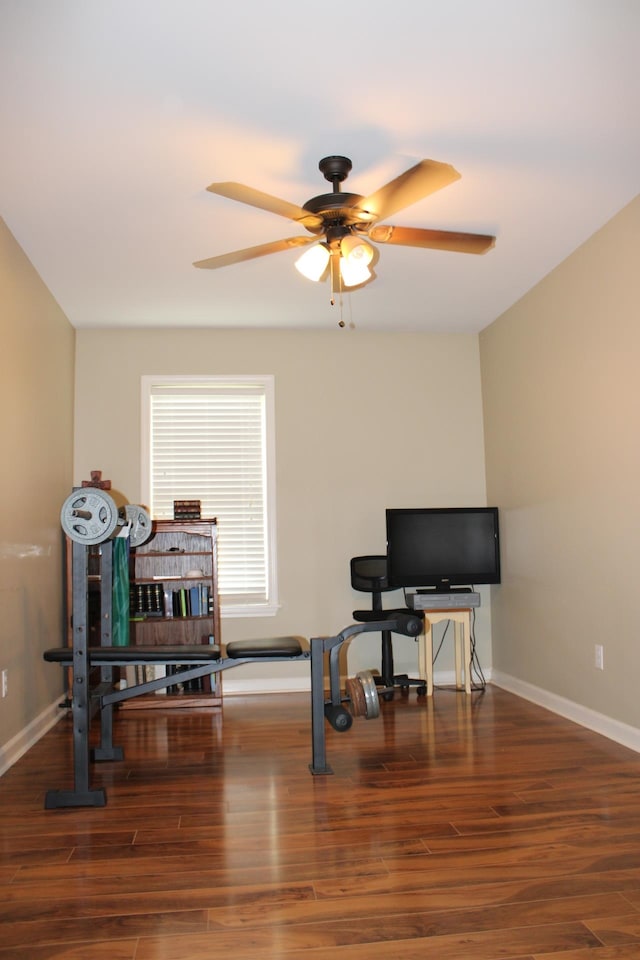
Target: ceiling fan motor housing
335, 208
338, 210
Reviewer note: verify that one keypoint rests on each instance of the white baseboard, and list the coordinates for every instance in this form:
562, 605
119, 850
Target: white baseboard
297, 684
598, 722
240, 687
15, 748
276, 685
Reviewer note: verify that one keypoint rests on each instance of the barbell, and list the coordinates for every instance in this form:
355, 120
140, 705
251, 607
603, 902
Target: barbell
89, 515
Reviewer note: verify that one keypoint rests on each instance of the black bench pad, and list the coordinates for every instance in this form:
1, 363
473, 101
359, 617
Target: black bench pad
162, 653
182, 653
269, 647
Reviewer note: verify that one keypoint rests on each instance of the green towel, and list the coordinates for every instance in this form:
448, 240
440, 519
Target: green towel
120, 592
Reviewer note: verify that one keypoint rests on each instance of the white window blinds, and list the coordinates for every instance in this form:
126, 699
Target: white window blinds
211, 439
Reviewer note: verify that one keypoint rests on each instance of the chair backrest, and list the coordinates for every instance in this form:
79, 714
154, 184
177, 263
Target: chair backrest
369, 574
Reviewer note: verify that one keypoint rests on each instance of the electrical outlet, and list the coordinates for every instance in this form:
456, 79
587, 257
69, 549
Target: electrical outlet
599, 657
5, 683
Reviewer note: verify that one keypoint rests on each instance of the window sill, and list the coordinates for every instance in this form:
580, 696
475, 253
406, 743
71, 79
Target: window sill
233, 611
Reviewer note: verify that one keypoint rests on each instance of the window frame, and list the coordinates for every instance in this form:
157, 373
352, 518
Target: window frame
269, 606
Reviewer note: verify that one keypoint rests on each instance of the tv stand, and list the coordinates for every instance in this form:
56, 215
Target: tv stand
437, 607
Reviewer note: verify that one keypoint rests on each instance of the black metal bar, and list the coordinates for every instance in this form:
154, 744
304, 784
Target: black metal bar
319, 647
318, 763
388, 668
106, 750
335, 694
192, 673
81, 795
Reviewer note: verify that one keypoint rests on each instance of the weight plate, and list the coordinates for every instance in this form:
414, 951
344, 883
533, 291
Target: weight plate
140, 524
370, 691
355, 693
89, 515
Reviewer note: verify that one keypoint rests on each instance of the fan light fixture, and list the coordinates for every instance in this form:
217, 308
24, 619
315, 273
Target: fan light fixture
355, 256
313, 262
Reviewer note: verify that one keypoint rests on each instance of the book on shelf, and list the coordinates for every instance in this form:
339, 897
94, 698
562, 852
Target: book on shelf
194, 601
167, 596
146, 600
158, 600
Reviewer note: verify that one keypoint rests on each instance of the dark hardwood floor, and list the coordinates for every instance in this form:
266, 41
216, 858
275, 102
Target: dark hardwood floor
459, 828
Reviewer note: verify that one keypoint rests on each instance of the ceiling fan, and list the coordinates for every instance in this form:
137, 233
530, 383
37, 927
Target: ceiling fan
342, 224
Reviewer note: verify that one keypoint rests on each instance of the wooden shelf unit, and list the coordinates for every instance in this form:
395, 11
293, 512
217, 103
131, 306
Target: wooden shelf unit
181, 555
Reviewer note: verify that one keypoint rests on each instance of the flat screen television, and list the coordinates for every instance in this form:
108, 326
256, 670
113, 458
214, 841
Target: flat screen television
442, 548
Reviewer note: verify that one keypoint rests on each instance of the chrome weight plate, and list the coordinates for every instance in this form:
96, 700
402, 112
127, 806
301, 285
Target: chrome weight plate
89, 515
365, 677
140, 523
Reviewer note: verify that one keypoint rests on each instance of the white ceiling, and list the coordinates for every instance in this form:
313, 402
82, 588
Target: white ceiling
116, 114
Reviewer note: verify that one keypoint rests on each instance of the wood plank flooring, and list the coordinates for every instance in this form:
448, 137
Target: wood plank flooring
455, 828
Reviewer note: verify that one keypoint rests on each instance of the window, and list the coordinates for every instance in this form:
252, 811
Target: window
212, 439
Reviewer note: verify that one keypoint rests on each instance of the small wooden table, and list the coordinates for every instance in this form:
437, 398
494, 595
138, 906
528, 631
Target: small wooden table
461, 619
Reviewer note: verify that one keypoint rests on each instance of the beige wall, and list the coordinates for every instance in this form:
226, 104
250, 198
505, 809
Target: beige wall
363, 421
562, 422
36, 400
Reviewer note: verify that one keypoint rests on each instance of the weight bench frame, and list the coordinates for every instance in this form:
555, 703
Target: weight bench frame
200, 659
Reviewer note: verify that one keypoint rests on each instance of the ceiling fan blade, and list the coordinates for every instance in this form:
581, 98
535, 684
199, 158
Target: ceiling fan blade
264, 201
412, 185
433, 239
251, 253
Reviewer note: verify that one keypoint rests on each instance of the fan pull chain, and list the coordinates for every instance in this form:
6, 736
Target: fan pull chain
336, 283
335, 276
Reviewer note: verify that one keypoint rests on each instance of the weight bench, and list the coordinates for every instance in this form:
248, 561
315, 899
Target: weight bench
198, 661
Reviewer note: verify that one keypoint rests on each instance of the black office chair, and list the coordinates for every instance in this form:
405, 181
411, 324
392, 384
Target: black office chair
369, 574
